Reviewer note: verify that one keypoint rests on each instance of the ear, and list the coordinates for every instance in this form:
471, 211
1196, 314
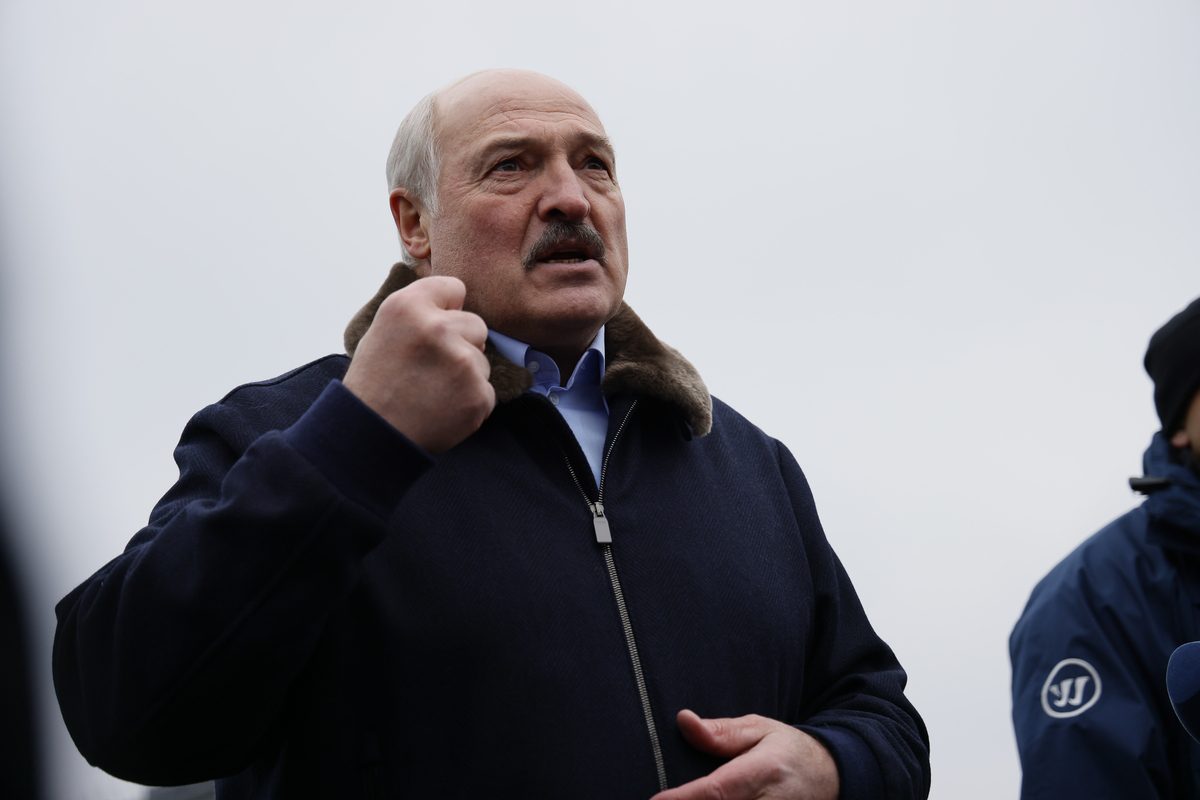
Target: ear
1181, 439
410, 222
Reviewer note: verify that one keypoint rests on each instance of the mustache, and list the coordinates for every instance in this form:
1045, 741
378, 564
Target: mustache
560, 236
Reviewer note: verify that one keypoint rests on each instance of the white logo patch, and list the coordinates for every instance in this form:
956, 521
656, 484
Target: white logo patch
1072, 688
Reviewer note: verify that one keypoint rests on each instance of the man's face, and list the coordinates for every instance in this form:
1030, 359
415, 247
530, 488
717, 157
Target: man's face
527, 176
1189, 435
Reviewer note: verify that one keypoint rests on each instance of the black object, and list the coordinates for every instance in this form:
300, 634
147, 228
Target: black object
18, 755
1173, 363
1148, 484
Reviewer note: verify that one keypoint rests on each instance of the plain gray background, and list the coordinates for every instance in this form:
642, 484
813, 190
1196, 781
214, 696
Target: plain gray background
922, 243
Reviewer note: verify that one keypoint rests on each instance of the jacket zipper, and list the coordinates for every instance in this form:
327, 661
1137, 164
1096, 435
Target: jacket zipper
604, 539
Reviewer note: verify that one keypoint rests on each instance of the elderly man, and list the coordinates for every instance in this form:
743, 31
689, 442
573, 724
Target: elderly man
1089, 654
509, 548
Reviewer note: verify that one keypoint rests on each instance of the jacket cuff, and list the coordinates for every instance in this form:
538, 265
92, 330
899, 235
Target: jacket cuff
358, 451
859, 775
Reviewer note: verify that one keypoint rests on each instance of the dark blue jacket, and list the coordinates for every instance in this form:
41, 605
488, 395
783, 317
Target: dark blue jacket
319, 609
1090, 651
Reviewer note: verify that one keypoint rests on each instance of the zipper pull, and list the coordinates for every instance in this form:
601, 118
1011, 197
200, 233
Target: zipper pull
603, 533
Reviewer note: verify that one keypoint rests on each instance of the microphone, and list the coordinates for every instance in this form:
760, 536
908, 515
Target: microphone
1183, 686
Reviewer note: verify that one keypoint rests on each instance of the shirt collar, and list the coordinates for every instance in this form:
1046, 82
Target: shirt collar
589, 370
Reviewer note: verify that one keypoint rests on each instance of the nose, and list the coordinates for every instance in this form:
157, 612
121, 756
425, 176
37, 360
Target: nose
563, 196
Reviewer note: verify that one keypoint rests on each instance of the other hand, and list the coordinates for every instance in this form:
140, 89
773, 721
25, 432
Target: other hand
770, 759
421, 365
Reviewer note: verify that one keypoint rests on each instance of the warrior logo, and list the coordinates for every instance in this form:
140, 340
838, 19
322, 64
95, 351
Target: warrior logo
1072, 688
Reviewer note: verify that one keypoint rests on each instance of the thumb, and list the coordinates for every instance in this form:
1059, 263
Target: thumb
727, 736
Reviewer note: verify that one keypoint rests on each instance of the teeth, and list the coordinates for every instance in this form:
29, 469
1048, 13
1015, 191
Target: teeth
572, 260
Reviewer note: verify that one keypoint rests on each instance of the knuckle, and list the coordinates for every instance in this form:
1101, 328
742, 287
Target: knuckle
470, 326
478, 326
394, 304
462, 360
428, 328
754, 725
774, 771
438, 326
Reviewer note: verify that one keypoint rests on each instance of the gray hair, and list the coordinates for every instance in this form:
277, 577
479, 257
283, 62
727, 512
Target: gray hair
412, 163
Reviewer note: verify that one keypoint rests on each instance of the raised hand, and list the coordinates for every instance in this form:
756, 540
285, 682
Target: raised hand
421, 366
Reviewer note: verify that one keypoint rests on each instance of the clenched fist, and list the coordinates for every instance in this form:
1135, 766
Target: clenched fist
421, 366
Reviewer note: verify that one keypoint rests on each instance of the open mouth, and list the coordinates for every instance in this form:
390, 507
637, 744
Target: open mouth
566, 243
566, 257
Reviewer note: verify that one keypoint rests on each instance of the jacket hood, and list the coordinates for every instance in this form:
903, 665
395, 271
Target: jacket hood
1174, 509
636, 361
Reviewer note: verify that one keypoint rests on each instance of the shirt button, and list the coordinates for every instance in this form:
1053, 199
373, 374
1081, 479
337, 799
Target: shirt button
534, 366
554, 399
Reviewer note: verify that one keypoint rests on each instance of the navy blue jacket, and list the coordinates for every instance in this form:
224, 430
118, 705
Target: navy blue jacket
318, 608
1090, 651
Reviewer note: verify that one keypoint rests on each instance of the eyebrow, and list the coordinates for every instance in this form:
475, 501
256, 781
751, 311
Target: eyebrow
513, 142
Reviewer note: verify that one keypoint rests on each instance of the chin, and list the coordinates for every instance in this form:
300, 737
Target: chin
571, 328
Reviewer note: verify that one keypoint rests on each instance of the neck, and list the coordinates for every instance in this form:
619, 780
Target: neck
566, 350
565, 358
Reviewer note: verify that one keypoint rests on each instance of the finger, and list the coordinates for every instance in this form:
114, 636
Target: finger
451, 328
490, 392
443, 290
483, 367
469, 326
726, 736
468, 359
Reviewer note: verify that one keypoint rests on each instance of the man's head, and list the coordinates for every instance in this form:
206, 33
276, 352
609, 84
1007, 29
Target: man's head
506, 179
1173, 362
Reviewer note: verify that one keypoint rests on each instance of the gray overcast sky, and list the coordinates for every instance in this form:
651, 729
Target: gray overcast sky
922, 243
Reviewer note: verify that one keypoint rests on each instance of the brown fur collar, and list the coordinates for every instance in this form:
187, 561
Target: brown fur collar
637, 361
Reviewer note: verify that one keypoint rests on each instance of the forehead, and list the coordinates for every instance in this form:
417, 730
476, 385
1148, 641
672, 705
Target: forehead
475, 111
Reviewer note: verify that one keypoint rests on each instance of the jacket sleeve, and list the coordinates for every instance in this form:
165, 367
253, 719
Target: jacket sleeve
854, 697
173, 662
1090, 711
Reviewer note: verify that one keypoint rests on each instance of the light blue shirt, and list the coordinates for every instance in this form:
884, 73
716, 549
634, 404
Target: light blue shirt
580, 401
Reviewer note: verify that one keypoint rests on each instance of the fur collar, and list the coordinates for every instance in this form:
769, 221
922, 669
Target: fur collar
637, 362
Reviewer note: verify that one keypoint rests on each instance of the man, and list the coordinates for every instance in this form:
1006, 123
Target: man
511, 548
1089, 654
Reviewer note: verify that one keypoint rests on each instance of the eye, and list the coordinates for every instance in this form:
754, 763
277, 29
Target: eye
595, 162
507, 165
